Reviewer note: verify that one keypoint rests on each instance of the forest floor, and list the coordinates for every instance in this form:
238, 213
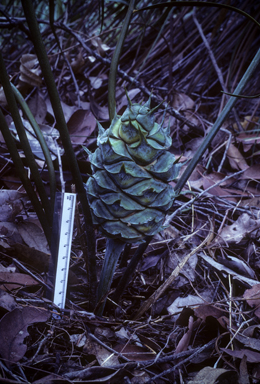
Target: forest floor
196, 324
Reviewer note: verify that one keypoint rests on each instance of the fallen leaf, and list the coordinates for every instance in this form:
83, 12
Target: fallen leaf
81, 125
189, 301
236, 159
243, 372
252, 356
11, 204
7, 301
103, 356
100, 113
237, 265
209, 375
10, 281
185, 340
243, 227
30, 71
252, 295
252, 172
223, 268
49, 134
13, 331
38, 107
204, 311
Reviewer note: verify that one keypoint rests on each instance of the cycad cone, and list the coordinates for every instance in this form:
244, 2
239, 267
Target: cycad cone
128, 193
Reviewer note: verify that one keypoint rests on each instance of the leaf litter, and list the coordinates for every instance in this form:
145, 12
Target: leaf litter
204, 325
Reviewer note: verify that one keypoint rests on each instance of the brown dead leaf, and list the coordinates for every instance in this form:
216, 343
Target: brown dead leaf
217, 190
10, 281
100, 113
11, 204
243, 227
209, 375
38, 107
243, 372
252, 172
236, 159
250, 342
252, 356
13, 330
185, 340
204, 311
101, 47
103, 356
252, 296
81, 125
30, 71
7, 301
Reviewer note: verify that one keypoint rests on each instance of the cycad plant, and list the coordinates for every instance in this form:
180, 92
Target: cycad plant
129, 191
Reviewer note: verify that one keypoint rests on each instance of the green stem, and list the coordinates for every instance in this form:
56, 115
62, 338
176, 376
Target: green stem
218, 124
114, 248
42, 142
64, 135
4, 79
9, 140
115, 60
130, 269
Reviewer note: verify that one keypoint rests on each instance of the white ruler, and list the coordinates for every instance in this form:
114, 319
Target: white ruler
66, 232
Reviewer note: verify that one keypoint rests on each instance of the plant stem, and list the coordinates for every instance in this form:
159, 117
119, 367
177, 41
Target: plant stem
114, 247
64, 134
115, 60
42, 142
9, 140
130, 269
4, 79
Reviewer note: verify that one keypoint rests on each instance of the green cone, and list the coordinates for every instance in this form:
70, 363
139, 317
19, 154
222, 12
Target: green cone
128, 193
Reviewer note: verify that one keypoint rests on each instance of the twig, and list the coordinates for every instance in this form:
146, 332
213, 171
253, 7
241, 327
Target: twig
23, 268
187, 360
169, 218
155, 296
214, 63
226, 149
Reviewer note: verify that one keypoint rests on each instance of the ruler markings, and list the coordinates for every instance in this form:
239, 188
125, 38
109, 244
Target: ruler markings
66, 232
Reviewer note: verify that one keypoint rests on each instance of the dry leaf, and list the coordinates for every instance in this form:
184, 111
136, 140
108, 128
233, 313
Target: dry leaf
243, 227
81, 125
209, 375
30, 71
7, 301
252, 356
227, 270
252, 295
10, 281
11, 204
13, 331
236, 159
38, 107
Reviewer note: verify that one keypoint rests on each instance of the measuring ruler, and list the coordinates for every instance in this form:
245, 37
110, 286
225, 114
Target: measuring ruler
66, 232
